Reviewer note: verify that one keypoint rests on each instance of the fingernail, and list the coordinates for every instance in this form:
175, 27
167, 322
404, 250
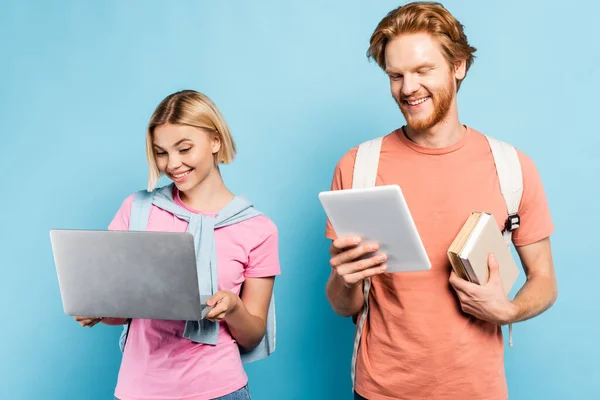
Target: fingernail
492, 257
383, 268
381, 258
373, 247
356, 240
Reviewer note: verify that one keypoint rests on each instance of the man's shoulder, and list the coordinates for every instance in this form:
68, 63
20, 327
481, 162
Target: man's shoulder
350, 156
526, 161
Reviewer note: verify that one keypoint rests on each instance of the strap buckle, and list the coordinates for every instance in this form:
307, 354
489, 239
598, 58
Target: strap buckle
513, 222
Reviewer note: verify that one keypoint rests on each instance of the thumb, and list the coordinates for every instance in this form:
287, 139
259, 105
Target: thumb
493, 267
214, 300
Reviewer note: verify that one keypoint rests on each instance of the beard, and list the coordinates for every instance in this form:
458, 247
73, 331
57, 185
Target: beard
441, 100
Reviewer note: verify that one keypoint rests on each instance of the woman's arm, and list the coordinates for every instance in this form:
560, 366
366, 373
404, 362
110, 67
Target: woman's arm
246, 316
114, 321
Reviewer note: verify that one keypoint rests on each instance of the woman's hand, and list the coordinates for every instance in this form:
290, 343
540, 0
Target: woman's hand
88, 321
224, 303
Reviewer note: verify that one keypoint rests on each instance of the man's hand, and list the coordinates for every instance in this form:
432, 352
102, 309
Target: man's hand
349, 262
487, 302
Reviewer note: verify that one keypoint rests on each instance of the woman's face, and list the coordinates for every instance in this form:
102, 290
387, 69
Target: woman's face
185, 154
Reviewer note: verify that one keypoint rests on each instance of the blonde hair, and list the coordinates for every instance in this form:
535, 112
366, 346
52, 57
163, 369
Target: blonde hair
191, 108
428, 17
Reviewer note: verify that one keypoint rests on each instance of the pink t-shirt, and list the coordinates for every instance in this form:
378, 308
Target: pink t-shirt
158, 362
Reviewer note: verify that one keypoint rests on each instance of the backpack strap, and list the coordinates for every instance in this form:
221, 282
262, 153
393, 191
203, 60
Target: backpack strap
510, 176
508, 168
366, 164
138, 220
364, 176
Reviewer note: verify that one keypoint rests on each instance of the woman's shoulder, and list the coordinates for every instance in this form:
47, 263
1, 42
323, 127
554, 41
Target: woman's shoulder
121, 219
261, 223
123, 214
256, 230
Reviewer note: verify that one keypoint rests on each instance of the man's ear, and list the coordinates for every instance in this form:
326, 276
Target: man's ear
460, 70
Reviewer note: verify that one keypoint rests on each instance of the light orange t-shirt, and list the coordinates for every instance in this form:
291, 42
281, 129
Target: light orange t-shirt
417, 343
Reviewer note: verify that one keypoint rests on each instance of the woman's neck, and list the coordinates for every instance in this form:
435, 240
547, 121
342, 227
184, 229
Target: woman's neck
210, 195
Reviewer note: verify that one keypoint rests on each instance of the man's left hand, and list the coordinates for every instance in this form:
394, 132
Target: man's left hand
487, 302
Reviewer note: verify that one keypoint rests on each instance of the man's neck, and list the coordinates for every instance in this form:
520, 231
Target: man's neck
210, 195
446, 133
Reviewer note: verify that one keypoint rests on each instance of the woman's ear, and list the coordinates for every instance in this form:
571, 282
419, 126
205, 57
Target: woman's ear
216, 143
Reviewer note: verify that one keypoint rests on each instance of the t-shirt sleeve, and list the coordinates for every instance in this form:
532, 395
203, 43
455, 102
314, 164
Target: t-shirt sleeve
120, 221
263, 258
342, 179
536, 221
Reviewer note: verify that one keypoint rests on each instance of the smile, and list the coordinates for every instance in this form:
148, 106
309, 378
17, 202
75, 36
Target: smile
181, 175
417, 102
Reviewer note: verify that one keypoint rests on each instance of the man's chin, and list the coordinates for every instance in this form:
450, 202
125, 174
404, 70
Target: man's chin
417, 124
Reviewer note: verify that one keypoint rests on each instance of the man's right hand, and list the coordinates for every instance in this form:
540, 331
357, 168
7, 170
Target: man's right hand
349, 262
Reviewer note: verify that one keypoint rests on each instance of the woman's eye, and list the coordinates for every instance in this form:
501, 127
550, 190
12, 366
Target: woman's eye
160, 153
183, 151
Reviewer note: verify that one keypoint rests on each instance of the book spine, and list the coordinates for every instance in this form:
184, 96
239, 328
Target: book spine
457, 266
469, 270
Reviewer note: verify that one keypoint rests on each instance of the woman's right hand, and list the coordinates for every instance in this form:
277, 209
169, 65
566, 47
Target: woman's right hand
88, 321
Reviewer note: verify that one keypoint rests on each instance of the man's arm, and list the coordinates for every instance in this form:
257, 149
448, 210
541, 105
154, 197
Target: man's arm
345, 301
489, 302
540, 290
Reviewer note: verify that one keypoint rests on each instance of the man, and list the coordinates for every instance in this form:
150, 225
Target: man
431, 335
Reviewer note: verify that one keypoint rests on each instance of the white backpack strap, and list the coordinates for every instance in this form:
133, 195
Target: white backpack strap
366, 164
365, 176
510, 176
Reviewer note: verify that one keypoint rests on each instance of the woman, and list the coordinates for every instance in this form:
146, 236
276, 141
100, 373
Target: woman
186, 140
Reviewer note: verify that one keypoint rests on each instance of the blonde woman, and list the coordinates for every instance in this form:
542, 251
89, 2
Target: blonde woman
186, 141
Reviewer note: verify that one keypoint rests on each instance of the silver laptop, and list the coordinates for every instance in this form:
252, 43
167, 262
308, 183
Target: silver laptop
128, 274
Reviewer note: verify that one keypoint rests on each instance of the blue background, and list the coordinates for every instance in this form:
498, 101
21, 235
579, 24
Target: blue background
79, 80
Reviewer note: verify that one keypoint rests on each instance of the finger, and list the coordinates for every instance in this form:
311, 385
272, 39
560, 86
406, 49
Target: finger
94, 322
353, 279
458, 283
454, 279
493, 267
215, 299
353, 254
361, 265
465, 307
344, 242
218, 309
219, 317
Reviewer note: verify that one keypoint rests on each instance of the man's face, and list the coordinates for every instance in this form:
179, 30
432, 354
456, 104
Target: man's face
421, 81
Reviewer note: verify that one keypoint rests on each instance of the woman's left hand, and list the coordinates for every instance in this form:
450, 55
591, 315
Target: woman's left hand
224, 303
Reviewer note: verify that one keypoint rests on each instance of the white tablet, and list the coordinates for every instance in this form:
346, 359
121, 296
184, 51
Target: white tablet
378, 214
